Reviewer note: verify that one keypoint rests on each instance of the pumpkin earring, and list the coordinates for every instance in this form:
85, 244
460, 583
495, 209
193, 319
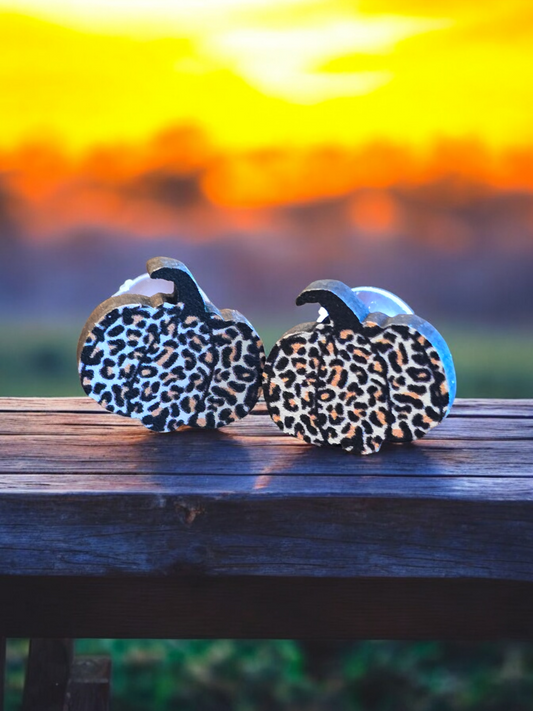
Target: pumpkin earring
368, 371
170, 359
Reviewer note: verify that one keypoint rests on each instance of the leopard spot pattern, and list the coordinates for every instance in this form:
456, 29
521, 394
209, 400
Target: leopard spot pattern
356, 390
170, 369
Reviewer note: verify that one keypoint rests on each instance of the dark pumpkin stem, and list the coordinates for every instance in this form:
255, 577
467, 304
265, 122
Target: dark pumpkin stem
345, 309
185, 287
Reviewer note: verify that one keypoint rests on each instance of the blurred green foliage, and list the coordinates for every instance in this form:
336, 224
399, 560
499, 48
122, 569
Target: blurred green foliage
228, 675
224, 675
38, 360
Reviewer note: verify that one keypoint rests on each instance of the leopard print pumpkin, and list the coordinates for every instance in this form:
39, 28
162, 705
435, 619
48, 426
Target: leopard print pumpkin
171, 360
357, 380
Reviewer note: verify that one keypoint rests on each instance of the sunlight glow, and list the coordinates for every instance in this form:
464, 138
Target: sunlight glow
285, 62
257, 73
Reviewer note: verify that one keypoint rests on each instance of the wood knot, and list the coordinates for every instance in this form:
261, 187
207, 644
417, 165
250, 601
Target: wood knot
188, 512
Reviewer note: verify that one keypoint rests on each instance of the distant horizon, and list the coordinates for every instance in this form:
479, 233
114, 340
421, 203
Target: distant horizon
177, 182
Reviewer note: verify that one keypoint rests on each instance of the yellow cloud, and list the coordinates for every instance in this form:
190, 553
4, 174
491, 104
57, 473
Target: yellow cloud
265, 72
283, 62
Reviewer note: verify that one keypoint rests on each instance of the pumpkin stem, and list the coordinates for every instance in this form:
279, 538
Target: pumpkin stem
185, 286
345, 309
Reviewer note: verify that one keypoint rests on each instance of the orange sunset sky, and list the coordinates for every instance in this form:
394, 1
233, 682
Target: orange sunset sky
268, 101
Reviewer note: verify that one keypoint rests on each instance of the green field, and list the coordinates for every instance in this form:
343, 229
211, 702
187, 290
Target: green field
40, 360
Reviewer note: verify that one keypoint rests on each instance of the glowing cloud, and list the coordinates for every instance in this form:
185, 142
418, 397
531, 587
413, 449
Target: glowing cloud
256, 73
283, 62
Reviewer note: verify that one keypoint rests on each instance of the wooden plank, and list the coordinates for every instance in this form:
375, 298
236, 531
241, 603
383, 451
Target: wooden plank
246, 533
462, 407
251, 501
197, 452
247, 607
337, 535
61, 442
89, 684
468, 489
48, 404
109, 427
47, 673
486, 407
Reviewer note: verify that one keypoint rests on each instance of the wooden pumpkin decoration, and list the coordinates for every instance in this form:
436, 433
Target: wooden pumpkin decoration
171, 360
358, 380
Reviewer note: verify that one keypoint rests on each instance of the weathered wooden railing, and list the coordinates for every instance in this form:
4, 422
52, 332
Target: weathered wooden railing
107, 530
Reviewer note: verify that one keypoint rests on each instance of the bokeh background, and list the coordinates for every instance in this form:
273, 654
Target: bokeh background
269, 143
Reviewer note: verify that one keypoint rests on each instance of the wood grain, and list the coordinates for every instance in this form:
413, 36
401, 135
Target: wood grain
198, 453
103, 425
86, 439
107, 530
469, 489
461, 408
332, 535
86, 493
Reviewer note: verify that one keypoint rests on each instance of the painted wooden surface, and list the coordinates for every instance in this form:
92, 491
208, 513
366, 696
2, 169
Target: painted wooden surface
84, 492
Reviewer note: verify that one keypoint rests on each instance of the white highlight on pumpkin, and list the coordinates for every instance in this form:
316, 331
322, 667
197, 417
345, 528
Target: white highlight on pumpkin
146, 286
376, 299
